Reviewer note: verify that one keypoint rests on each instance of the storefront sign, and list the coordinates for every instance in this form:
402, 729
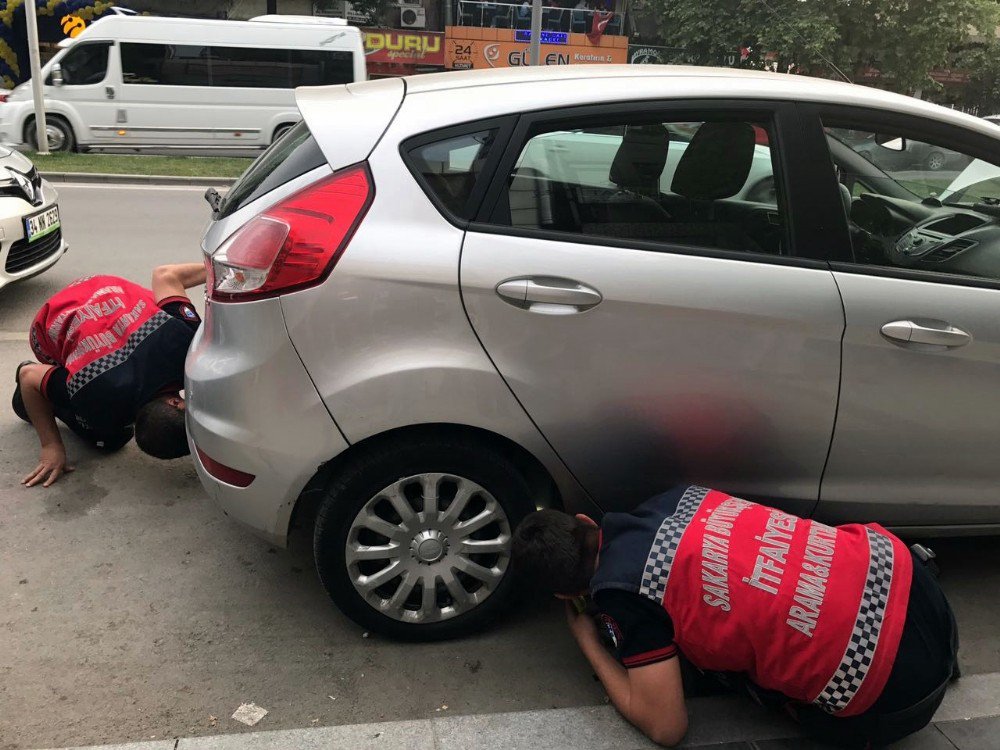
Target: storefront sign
470, 47
547, 37
403, 47
646, 55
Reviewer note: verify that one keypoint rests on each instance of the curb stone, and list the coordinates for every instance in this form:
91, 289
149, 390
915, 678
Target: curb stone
135, 179
717, 722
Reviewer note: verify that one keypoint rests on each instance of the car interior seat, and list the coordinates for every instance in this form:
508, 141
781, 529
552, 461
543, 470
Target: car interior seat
633, 210
640, 159
714, 166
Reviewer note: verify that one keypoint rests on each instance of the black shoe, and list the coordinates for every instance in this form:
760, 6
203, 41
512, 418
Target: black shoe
17, 401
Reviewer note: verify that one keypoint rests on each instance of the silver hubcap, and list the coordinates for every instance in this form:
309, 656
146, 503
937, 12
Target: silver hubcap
428, 548
57, 138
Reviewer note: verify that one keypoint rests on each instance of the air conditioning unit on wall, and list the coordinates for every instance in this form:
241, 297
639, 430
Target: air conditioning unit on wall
412, 16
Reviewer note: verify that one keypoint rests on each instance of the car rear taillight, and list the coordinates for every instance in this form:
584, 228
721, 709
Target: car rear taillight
3, 98
295, 243
224, 473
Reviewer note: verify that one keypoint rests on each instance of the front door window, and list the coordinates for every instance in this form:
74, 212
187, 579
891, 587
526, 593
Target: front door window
85, 64
917, 204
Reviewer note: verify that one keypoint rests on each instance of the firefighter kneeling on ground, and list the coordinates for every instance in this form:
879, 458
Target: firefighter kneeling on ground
111, 366
844, 628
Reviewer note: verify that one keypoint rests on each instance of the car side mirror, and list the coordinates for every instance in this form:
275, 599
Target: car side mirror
57, 75
891, 142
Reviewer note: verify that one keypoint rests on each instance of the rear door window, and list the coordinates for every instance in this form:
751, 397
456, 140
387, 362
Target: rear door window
291, 156
705, 183
166, 64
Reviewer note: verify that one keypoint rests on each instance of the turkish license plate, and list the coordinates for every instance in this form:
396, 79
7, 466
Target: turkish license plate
41, 224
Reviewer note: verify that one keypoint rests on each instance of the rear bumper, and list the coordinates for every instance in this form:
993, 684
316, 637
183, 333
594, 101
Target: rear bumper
252, 407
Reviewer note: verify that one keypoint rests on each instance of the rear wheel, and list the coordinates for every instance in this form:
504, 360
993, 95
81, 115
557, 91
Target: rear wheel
413, 539
280, 131
59, 133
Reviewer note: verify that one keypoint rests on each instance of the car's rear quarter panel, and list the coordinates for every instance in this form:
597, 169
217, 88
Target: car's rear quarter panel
386, 339
252, 407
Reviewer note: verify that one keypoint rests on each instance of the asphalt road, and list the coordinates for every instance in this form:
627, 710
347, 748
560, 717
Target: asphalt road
129, 610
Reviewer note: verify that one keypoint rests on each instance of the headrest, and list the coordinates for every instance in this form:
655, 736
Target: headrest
640, 159
716, 163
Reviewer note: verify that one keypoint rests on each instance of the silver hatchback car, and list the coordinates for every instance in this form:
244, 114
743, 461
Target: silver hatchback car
439, 302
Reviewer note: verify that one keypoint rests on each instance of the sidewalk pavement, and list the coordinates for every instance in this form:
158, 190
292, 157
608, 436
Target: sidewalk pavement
969, 719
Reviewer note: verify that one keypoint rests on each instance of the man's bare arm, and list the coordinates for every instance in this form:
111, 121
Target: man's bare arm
174, 280
650, 697
52, 459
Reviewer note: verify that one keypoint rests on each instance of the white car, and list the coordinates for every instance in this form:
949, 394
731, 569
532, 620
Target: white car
30, 231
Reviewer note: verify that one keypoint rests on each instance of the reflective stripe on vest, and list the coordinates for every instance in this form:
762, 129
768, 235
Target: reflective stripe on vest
856, 660
668, 538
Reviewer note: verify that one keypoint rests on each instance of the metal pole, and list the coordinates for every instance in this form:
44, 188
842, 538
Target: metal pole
36, 77
535, 45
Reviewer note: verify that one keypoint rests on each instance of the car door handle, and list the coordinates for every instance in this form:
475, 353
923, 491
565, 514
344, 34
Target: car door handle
540, 293
939, 334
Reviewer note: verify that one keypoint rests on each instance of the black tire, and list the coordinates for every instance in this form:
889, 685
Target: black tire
364, 477
280, 131
66, 140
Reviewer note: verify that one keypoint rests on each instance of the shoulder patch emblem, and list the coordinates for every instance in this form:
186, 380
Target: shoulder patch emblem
611, 630
188, 312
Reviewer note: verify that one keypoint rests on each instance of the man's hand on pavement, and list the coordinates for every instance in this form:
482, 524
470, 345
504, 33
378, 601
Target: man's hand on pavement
51, 465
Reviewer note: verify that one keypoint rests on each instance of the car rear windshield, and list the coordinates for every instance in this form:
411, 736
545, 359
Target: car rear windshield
291, 156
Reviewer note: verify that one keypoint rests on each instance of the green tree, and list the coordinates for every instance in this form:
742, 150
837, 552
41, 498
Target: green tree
982, 61
902, 39
374, 11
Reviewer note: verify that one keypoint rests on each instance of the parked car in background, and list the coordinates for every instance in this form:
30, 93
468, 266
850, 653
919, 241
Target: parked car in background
30, 231
423, 322
151, 82
900, 153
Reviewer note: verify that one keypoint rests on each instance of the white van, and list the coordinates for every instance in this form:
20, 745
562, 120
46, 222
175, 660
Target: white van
148, 82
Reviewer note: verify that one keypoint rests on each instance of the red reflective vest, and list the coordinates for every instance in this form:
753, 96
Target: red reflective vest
90, 319
812, 611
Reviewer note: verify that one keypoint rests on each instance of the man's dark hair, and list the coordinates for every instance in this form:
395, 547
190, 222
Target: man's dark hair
159, 430
555, 552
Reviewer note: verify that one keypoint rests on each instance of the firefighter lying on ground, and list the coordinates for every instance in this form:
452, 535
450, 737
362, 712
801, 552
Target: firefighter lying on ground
842, 627
112, 366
